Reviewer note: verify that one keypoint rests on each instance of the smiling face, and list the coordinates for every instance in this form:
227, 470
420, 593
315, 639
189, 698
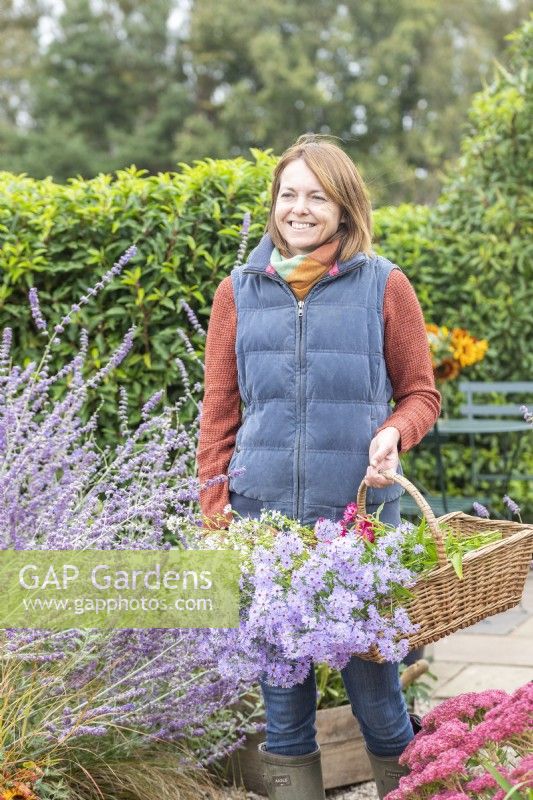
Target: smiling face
304, 215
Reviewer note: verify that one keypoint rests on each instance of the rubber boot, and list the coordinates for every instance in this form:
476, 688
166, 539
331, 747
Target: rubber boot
292, 777
387, 770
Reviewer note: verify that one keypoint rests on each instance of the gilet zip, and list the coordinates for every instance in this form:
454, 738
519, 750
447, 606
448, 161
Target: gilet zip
300, 406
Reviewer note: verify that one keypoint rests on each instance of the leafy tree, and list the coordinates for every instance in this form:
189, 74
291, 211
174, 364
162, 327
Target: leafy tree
110, 91
18, 58
118, 85
18, 55
483, 220
394, 80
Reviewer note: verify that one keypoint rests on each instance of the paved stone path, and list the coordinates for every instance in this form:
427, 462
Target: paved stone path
494, 654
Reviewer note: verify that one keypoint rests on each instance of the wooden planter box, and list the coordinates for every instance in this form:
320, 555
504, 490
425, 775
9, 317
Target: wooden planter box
344, 759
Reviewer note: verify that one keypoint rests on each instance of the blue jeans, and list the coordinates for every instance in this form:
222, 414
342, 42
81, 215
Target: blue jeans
373, 689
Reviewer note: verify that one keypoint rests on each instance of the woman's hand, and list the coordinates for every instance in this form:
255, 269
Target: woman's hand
383, 454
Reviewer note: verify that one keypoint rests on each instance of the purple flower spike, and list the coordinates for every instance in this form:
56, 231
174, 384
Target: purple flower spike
480, 510
246, 222
193, 319
245, 227
118, 356
115, 270
60, 491
513, 507
36, 310
528, 415
149, 406
5, 347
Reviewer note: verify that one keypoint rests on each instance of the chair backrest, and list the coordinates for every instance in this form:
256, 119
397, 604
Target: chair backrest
522, 389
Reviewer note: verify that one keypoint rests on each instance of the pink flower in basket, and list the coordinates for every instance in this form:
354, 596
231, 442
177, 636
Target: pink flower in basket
365, 529
350, 513
363, 526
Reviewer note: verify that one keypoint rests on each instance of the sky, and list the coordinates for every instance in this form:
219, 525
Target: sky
48, 28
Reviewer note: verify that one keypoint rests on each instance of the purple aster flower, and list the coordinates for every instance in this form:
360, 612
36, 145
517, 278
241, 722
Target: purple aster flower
326, 530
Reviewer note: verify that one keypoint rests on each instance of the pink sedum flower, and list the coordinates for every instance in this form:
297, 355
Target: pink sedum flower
445, 794
425, 748
449, 758
451, 763
481, 784
523, 772
466, 706
513, 717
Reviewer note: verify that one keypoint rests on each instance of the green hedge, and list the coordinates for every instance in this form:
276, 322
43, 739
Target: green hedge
62, 238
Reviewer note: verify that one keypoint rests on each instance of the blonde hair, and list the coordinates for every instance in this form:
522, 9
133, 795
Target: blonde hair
342, 183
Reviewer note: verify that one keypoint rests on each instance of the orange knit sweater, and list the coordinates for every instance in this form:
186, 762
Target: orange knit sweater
417, 402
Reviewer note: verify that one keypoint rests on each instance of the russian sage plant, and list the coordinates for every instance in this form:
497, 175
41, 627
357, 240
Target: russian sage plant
125, 690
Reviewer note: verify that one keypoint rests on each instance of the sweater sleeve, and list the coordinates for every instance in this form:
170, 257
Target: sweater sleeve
221, 408
408, 360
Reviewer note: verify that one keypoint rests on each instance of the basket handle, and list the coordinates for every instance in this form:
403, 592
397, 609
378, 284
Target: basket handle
421, 503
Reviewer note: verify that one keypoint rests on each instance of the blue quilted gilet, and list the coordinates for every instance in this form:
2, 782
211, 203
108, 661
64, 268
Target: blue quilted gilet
313, 382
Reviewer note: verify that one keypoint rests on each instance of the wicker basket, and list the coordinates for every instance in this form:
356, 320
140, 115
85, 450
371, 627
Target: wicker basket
493, 576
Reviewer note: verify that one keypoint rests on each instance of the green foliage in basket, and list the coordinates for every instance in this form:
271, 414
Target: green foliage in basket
420, 549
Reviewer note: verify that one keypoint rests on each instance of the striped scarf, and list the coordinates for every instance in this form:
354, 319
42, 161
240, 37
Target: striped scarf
302, 272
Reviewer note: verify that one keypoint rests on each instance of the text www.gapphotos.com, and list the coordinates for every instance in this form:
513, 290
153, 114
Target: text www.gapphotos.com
111, 605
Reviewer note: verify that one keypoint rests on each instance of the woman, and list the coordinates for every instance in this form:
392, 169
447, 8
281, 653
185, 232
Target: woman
306, 347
